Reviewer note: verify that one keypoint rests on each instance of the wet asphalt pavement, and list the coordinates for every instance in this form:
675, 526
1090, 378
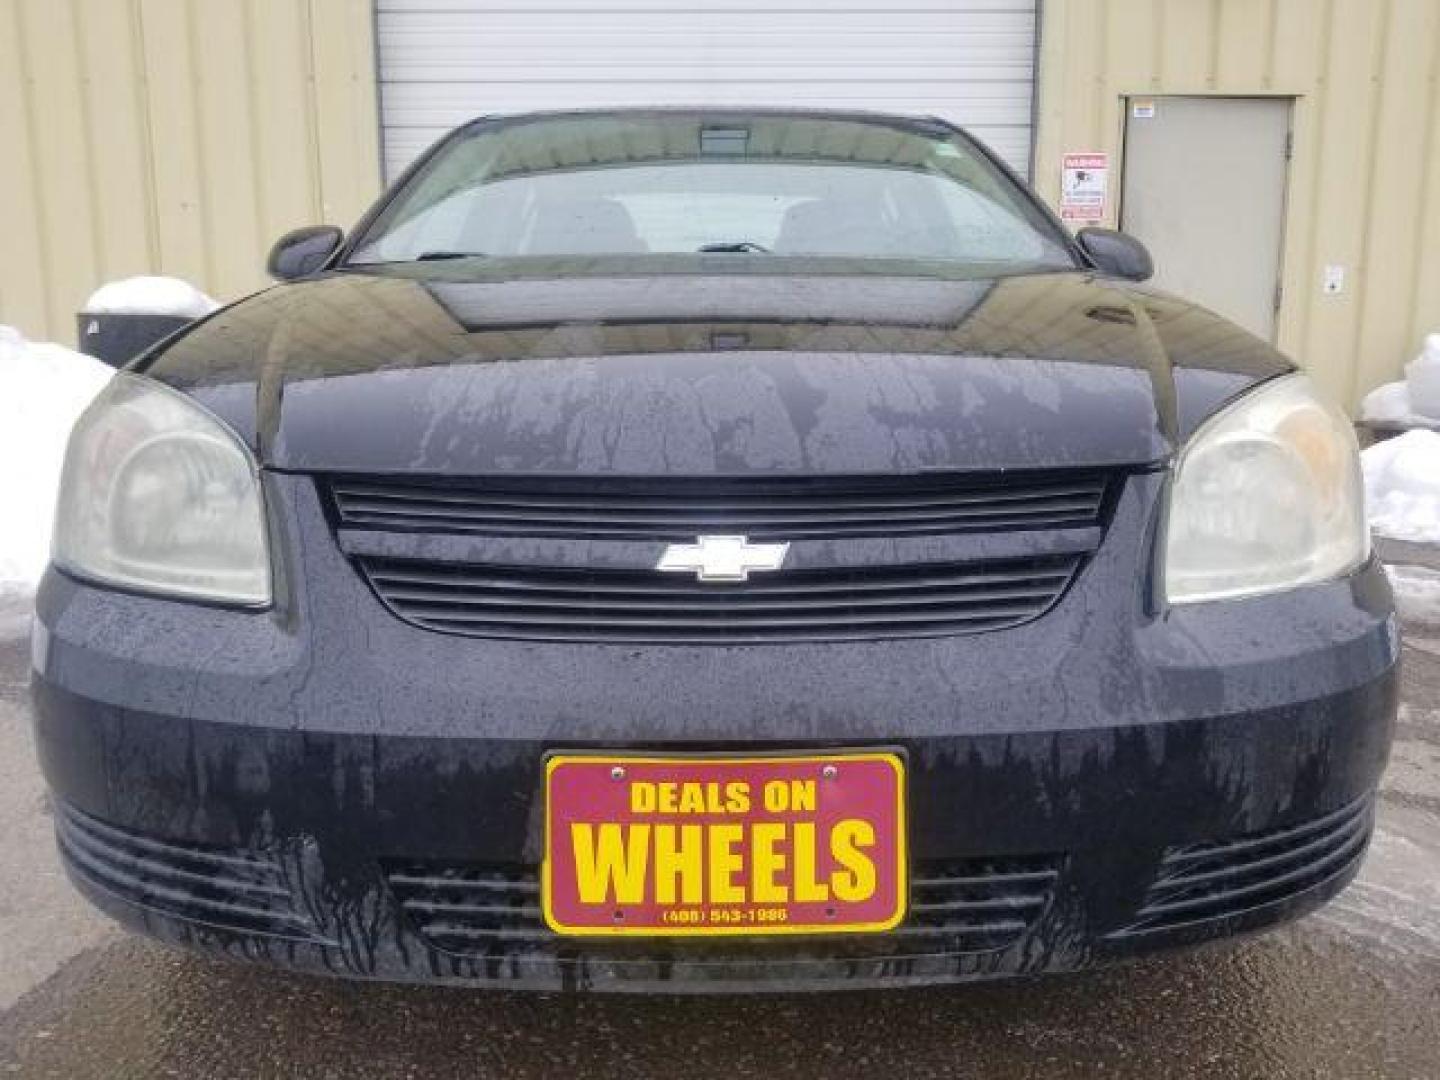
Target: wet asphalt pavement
1353, 991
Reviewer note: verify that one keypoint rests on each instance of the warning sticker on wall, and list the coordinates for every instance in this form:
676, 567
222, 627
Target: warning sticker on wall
1084, 186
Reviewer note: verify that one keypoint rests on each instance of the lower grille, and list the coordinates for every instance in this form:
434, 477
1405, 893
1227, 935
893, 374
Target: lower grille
964, 906
224, 888
1230, 878
917, 600
470, 908
979, 905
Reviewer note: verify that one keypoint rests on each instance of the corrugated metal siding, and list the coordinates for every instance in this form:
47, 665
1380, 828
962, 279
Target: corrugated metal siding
445, 61
1365, 179
174, 136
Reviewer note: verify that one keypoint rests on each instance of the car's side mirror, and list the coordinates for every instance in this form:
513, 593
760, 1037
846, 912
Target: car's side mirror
303, 251
1117, 254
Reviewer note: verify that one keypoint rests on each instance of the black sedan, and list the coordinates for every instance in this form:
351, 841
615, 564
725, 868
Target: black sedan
710, 550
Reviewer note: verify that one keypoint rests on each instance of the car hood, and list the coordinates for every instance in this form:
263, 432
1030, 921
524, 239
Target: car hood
618, 369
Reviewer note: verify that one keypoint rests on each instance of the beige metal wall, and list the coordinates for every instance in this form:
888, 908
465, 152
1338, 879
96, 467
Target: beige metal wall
173, 136
1365, 179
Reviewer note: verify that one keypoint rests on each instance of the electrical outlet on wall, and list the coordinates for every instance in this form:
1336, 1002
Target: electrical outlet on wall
1333, 283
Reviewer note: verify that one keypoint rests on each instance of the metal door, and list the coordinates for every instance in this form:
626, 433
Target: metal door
1204, 189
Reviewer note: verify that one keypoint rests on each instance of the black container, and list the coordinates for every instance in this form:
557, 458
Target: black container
117, 337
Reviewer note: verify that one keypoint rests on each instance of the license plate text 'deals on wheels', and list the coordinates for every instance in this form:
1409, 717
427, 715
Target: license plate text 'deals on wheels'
667, 846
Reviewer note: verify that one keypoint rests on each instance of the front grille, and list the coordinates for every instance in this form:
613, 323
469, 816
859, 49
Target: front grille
957, 906
224, 888
1229, 878
916, 600
779, 508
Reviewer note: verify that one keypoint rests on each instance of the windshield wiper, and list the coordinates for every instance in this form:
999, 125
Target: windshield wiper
738, 246
436, 256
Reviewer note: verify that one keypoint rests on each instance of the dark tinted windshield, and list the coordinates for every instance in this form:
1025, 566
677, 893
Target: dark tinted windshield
670, 183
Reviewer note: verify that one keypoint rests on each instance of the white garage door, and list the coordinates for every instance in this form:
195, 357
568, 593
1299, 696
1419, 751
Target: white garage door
446, 61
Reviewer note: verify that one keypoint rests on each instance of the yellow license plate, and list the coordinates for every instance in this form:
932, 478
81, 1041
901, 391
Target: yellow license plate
717, 845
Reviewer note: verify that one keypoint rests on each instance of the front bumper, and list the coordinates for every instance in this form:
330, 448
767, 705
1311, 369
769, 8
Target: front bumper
327, 788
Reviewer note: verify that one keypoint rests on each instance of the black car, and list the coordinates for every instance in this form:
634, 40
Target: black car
703, 550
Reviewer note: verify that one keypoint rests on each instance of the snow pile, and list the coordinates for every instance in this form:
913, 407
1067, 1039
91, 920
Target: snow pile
151, 295
1414, 401
1402, 486
1390, 404
43, 388
1417, 593
1422, 378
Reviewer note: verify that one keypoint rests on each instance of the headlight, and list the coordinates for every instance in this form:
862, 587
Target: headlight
1266, 496
160, 496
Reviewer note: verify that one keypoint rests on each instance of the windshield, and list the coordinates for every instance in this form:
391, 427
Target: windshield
752, 186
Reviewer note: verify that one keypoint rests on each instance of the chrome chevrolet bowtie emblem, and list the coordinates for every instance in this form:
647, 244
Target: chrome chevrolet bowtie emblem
722, 558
